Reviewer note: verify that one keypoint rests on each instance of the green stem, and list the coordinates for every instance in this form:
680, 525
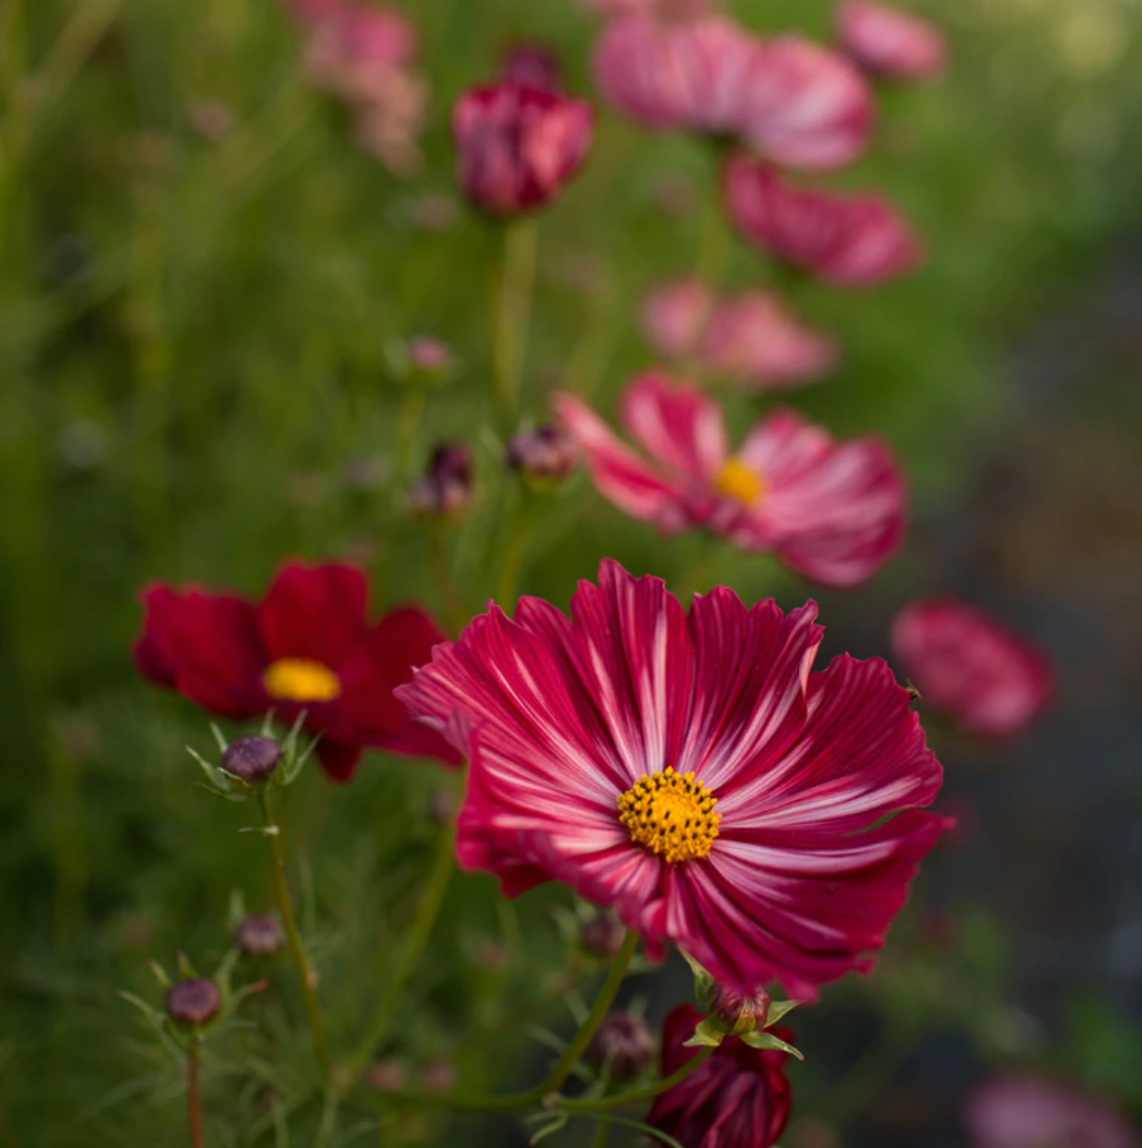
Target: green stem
637, 1095
512, 316
713, 243
602, 1135
411, 410
293, 938
513, 559
193, 1104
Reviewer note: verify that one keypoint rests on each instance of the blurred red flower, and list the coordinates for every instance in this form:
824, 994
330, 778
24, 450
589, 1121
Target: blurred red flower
689, 770
890, 43
517, 146
833, 512
992, 681
306, 646
847, 240
740, 1097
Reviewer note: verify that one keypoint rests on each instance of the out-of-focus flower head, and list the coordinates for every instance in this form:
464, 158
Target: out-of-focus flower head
832, 511
622, 1043
664, 9
740, 1097
796, 102
675, 317
533, 65
194, 1003
1023, 1111
889, 43
545, 455
993, 682
846, 240
690, 771
446, 487
517, 146
305, 648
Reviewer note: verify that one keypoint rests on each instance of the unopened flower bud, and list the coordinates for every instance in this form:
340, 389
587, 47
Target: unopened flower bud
624, 1043
446, 488
429, 356
543, 456
736, 1013
533, 66
602, 936
252, 759
194, 1003
259, 935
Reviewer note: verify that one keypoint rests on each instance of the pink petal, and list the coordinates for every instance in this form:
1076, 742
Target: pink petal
891, 43
676, 424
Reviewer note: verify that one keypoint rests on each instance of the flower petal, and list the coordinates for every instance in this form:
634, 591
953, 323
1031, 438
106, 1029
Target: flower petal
675, 424
313, 612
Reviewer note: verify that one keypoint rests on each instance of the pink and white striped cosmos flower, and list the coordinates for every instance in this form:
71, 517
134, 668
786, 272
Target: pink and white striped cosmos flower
889, 43
847, 240
517, 146
992, 681
690, 771
797, 102
833, 512
751, 338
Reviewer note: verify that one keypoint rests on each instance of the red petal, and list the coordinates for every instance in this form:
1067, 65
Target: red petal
313, 612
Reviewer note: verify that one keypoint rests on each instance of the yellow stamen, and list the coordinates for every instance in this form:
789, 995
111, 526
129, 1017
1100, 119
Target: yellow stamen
301, 680
670, 813
736, 480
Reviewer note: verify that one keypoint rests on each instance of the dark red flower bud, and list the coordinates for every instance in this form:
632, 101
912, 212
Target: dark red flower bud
252, 759
533, 66
602, 936
447, 485
623, 1042
517, 146
544, 455
193, 1003
737, 1012
259, 935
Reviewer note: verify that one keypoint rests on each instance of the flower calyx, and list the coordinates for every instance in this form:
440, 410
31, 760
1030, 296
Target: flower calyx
250, 765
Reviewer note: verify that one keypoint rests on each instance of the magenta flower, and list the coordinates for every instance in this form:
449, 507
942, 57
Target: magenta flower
991, 680
517, 146
740, 1098
689, 771
847, 240
833, 512
889, 43
799, 103
1020, 1111
675, 317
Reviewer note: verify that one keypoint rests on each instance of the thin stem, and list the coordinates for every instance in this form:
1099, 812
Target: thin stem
293, 938
713, 243
450, 599
602, 1135
411, 411
598, 1013
193, 1104
637, 1095
513, 315
513, 559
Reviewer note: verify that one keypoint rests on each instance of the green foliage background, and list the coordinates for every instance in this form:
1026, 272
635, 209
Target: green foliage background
193, 346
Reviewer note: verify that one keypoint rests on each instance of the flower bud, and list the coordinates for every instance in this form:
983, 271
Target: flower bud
602, 936
252, 759
544, 456
532, 65
194, 1003
446, 487
624, 1043
736, 1013
259, 935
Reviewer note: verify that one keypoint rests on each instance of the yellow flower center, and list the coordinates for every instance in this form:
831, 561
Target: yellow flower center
671, 814
301, 680
736, 480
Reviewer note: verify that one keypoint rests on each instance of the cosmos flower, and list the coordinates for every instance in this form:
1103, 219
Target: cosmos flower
833, 512
1023, 1111
689, 771
740, 1097
517, 146
988, 678
306, 646
848, 240
675, 317
889, 43
797, 102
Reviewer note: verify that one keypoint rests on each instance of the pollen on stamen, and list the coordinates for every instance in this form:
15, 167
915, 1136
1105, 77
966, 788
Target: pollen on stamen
671, 814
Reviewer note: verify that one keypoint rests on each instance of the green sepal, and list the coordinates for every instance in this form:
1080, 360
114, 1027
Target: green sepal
703, 983
766, 1040
777, 1010
708, 1034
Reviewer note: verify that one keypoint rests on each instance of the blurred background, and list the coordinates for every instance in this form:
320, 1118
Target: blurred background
202, 280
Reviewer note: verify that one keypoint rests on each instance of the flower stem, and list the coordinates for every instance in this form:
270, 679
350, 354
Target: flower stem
293, 938
513, 315
637, 1095
193, 1105
513, 558
713, 242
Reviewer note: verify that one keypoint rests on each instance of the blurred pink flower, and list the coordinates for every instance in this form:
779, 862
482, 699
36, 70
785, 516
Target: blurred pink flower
799, 103
833, 512
889, 43
518, 146
991, 680
675, 316
666, 9
1022, 1111
534, 66
848, 240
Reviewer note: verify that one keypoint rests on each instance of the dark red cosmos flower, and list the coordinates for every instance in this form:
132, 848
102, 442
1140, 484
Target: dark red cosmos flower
518, 145
992, 681
306, 646
739, 1098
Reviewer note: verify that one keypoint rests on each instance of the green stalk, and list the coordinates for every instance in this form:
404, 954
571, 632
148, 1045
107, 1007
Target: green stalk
637, 1095
512, 316
193, 1103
